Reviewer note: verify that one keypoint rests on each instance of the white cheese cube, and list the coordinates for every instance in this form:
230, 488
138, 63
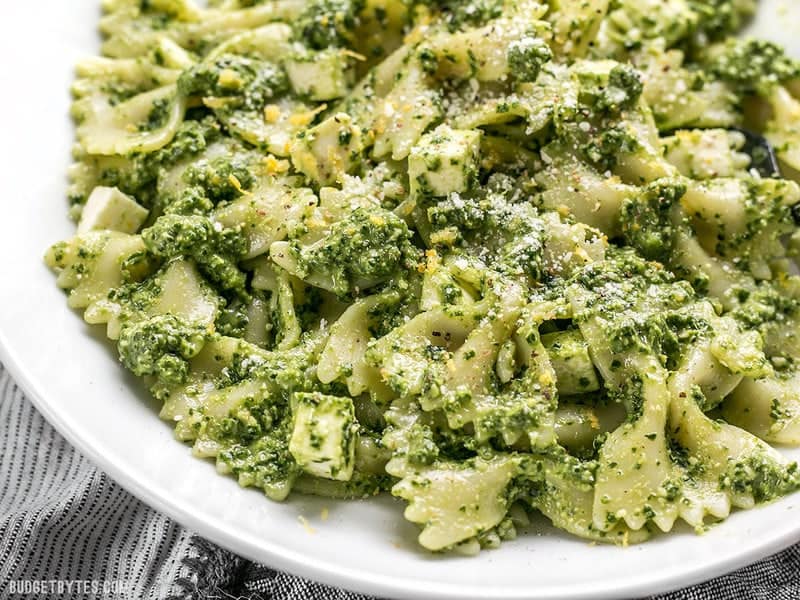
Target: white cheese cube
108, 208
444, 161
324, 436
320, 76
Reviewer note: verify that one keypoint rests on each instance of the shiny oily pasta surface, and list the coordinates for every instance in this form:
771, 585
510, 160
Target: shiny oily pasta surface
493, 257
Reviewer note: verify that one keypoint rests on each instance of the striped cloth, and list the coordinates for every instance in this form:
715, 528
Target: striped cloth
68, 531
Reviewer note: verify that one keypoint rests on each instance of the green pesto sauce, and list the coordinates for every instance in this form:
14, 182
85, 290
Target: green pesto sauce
405, 286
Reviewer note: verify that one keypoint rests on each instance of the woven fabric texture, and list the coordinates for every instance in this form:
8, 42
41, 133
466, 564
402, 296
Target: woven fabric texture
69, 529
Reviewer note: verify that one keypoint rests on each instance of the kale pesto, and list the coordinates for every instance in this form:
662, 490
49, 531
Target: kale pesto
490, 256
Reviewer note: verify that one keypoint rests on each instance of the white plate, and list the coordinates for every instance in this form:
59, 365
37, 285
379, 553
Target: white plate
73, 378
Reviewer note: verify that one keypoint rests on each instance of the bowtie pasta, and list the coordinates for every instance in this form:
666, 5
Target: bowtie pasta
495, 257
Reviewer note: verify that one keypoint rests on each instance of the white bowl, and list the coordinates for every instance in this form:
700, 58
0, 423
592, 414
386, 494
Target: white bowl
73, 377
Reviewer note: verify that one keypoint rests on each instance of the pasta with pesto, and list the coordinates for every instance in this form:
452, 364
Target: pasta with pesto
495, 257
